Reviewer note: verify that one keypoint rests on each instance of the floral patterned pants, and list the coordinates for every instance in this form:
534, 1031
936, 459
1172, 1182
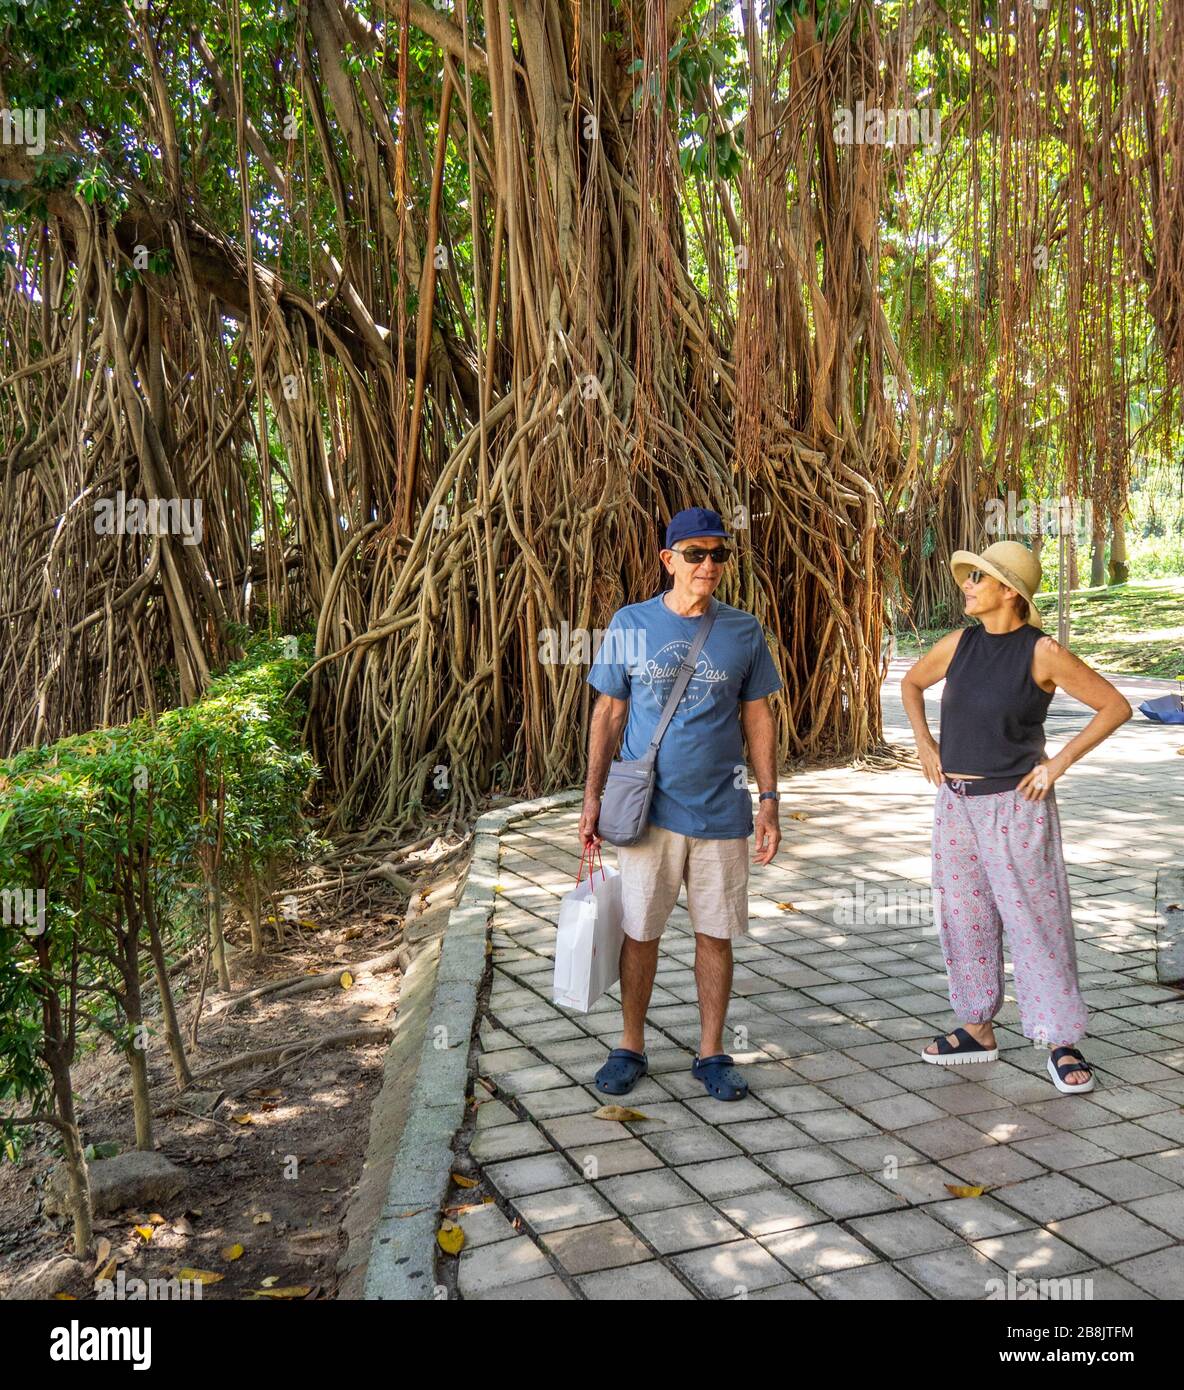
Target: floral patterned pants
998, 868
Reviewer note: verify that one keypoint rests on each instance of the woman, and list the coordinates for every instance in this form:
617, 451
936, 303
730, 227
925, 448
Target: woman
997, 860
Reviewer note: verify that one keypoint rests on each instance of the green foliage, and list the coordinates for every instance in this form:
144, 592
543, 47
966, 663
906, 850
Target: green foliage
107, 824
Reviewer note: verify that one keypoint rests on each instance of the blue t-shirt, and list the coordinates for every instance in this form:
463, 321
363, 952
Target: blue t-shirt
701, 756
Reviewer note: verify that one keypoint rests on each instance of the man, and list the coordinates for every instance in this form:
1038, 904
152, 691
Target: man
701, 815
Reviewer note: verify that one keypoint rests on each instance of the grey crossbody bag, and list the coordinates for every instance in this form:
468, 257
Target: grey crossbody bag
629, 789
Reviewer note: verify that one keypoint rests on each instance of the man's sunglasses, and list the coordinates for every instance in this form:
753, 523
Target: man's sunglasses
696, 554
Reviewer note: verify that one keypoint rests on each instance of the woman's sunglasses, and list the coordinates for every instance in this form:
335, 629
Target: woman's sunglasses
696, 554
977, 576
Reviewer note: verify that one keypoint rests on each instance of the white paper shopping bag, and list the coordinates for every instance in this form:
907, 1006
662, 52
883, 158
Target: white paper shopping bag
588, 947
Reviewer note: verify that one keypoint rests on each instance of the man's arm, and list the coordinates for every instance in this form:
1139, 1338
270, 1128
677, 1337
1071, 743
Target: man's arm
604, 738
760, 735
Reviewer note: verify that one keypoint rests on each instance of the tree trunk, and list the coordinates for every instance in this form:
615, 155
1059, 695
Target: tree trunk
1097, 569
74, 1158
1119, 569
172, 1030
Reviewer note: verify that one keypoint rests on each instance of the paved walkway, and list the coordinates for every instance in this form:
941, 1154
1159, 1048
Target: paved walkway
831, 1179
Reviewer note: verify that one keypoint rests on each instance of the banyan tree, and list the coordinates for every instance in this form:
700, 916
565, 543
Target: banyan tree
439, 311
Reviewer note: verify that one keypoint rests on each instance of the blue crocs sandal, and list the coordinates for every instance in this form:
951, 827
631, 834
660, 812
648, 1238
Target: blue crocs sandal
622, 1071
720, 1077
969, 1051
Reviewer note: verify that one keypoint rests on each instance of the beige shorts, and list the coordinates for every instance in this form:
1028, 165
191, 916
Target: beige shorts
655, 868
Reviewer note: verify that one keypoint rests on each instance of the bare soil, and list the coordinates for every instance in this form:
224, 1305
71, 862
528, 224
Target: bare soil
271, 1160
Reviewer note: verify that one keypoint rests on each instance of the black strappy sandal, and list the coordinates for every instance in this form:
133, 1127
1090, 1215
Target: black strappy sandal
1059, 1069
971, 1051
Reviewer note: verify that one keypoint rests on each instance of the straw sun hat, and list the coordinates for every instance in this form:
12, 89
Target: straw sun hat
1008, 562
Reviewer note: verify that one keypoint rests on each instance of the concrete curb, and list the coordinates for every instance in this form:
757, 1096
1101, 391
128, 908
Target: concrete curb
402, 1262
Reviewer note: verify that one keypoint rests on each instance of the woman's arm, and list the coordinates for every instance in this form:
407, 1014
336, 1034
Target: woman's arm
930, 669
1052, 662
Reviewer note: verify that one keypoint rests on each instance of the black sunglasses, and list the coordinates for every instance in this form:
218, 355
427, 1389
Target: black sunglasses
696, 554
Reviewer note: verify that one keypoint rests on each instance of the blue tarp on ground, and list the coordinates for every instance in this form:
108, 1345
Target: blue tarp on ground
1168, 709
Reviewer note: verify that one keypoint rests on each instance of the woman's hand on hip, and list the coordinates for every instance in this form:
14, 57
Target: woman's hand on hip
1038, 783
931, 762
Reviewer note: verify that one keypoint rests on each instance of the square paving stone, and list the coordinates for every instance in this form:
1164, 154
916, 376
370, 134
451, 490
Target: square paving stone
507, 1141
1127, 1139
692, 1145
1110, 1234
797, 1100
845, 1197
1168, 1164
1123, 1180
945, 1137
823, 1066
1161, 1273
900, 1111
763, 1136
1033, 1254
550, 1289
493, 1113
998, 1164
735, 1268
976, 1217
718, 1112
1052, 1197
1008, 1124
685, 1228
649, 1191
876, 1153
484, 1225
726, 1177
812, 1250
831, 1126
969, 1100
794, 1291
806, 1164
538, 1078
770, 1210
879, 1282
859, 1088
650, 1282
568, 1100
1062, 1151
598, 1161
919, 1183
962, 1274
661, 1117
561, 1207
503, 1262
1165, 1211
523, 1175
606, 1245
510, 1059
899, 1234
569, 1130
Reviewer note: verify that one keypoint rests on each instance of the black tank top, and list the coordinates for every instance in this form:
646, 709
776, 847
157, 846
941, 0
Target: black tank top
992, 711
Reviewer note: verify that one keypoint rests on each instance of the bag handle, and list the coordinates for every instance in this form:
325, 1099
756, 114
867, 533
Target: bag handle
686, 670
595, 854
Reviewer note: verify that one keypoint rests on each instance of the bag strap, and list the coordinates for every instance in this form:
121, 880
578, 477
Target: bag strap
686, 670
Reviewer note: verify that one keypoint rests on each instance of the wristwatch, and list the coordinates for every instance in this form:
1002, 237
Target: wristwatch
770, 796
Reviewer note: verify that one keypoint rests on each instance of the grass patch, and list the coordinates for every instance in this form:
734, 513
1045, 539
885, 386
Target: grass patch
1134, 629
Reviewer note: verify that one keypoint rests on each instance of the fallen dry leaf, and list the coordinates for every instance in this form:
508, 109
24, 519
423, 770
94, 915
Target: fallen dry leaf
292, 1291
200, 1276
788, 907
450, 1237
243, 1119
618, 1112
964, 1191
261, 1217
102, 1252
462, 1181
232, 1252
346, 979
145, 1232
798, 815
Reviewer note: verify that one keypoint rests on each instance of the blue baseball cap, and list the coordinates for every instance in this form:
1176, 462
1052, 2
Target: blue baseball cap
694, 521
